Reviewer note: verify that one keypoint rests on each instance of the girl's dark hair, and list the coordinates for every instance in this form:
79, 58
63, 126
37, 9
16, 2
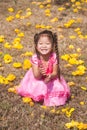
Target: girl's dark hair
54, 40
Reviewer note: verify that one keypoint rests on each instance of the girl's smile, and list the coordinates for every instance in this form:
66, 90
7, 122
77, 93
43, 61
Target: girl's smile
44, 45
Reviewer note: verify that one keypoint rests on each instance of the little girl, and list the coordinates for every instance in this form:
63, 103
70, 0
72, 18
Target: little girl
43, 80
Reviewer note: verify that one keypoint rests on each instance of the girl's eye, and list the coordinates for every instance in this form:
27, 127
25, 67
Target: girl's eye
48, 43
40, 43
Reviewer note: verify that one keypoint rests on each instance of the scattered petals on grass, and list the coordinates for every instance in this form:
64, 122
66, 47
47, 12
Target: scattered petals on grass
10, 9
72, 124
71, 47
10, 18
71, 83
54, 19
53, 111
17, 30
83, 88
26, 64
82, 103
44, 107
17, 65
21, 34
77, 125
7, 58
27, 54
61, 9
7, 45
26, 99
68, 111
31, 104
2, 38
72, 37
12, 90
11, 77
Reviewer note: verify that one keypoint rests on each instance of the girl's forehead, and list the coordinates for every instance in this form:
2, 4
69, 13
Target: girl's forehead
44, 37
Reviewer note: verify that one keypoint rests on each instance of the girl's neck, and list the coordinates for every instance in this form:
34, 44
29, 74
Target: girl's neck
45, 57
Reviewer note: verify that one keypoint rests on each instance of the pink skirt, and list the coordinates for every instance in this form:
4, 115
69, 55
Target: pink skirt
54, 93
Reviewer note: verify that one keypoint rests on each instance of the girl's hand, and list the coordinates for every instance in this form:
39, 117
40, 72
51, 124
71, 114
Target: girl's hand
42, 69
48, 78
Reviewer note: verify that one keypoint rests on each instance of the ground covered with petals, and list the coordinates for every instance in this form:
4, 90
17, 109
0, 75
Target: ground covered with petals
19, 21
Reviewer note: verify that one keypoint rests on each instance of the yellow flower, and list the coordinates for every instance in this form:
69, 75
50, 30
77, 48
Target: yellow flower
7, 58
27, 54
11, 77
17, 45
81, 67
2, 79
28, 23
61, 9
82, 126
79, 32
47, 11
26, 64
26, 99
21, 34
16, 40
73, 1
71, 47
72, 61
0, 64
77, 29
82, 103
10, 18
78, 49
18, 16
10, 9
7, 45
48, 27
12, 90
28, 14
44, 107
77, 3
75, 10
37, 26
2, 38
17, 64
48, 5
71, 83
83, 88
42, 116
53, 111
31, 104
65, 57
17, 30
69, 113
41, 6
81, 36
71, 124
72, 37
68, 65
54, 19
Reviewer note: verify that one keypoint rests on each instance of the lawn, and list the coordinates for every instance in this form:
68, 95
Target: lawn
19, 21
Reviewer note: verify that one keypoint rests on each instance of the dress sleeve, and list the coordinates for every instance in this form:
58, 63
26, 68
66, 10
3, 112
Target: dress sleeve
54, 58
34, 59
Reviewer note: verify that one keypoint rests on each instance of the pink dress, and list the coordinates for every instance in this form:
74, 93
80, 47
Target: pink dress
54, 93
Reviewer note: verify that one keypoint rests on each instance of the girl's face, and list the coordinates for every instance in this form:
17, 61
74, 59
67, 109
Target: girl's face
44, 45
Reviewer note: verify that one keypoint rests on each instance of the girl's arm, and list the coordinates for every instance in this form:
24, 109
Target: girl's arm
53, 75
38, 71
